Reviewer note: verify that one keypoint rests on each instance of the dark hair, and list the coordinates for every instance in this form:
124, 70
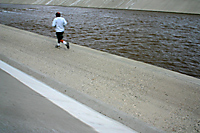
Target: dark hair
57, 14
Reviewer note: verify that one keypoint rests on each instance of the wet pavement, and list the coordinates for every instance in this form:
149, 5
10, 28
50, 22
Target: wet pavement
167, 40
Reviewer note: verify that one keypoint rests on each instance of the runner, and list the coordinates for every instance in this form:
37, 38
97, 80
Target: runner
59, 23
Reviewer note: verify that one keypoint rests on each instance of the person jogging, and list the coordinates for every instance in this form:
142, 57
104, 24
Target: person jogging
59, 23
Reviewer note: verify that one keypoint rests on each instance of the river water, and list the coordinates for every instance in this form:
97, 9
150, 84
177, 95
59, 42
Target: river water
167, 40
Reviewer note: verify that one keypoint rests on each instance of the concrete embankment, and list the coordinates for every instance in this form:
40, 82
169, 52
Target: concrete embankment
181, 6
159, 97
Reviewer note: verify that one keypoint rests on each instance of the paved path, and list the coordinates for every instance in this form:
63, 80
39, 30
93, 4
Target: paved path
24, 110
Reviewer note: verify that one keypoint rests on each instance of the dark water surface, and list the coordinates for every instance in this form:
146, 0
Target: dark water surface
166, 40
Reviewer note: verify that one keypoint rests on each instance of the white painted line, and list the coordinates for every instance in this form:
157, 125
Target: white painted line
85, 114
48, 2
75, 3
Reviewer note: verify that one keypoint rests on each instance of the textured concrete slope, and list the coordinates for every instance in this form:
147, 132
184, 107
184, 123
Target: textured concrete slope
182, 6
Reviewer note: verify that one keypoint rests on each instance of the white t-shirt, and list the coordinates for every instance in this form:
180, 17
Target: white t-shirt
59, 23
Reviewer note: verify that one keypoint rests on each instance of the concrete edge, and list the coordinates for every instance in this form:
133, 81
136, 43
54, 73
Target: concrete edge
141, 65
131, 9
159, 70
112, 8
93, 103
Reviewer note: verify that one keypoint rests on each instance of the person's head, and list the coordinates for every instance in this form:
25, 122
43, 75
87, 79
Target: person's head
58, 14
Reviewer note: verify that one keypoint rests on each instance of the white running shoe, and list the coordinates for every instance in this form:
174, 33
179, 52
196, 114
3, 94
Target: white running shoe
57, 46
67, 45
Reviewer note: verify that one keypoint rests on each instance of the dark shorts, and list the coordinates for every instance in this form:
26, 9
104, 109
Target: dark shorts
59, 36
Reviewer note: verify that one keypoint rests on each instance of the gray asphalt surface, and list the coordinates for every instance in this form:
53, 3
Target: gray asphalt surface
23, 110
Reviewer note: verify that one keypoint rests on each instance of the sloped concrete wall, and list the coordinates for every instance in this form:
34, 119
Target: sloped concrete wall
183, 6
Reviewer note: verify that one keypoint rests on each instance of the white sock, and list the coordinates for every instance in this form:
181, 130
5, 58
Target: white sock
58, 44
64, 42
